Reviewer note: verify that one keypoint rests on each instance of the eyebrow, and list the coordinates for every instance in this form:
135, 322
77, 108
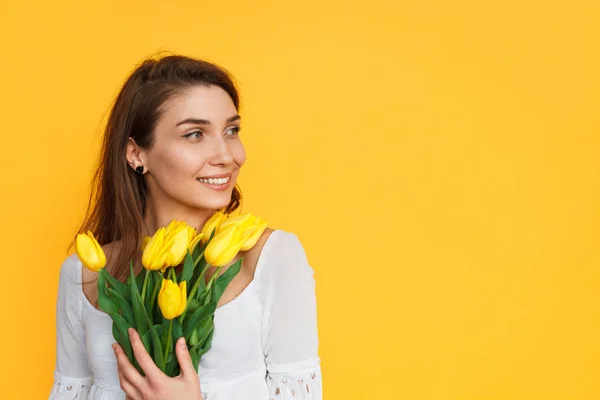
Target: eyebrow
197, 121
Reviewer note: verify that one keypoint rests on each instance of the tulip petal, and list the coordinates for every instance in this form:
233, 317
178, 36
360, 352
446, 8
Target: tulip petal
179, 247
195, 241
223, 247
239, 220
252, 234
90, 253
172, 299
211, 224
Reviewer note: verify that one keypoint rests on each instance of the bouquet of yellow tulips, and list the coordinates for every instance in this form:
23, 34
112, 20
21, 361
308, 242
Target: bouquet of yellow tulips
157, 302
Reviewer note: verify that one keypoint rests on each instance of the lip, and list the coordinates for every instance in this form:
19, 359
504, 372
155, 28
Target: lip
216, 176
218, 188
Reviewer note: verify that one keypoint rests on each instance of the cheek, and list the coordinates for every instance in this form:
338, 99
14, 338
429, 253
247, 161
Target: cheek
176, 163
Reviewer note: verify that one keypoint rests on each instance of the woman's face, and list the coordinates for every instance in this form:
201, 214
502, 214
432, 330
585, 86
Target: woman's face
197, 152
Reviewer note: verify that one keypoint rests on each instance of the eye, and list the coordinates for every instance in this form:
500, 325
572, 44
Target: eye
194, 135
234, 130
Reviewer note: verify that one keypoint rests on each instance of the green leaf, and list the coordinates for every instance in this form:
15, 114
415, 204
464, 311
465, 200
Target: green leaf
124, 306
157, 349
222, 281
188, 269
191, 322
201, 350
193, 305
193, 338
195, 360
121, 326
139, 279
205, 330
116, 284
149, 289
204, 297
139, 311
155, 311
177, 331
204, 343
107, 304
199, 250
147, 341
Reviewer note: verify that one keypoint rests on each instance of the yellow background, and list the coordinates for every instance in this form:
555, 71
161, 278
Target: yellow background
438, 159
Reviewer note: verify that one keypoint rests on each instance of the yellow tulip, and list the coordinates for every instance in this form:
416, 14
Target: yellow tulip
253, 233
156, 253
194, 242
178, 241
212, 223
168, 246
89, 251
238, 220
224, 246
172, 299
145, 242
252, 228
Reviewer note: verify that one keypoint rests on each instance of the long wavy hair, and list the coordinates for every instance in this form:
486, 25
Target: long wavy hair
118, 194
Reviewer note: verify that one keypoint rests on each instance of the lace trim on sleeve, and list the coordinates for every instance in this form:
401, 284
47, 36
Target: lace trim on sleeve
306, 385
70, 388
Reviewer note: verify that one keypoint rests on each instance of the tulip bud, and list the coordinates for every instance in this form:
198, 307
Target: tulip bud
212, 223
179, 244
194, 242
238, 220
172, 299
145, 242
224, 246
253, 233
156, 254
89, 251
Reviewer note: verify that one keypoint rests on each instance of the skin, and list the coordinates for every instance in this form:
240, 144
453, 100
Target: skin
183, 152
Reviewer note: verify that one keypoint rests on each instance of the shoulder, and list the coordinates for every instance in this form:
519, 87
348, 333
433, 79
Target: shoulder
283, 256
284, 245
70, 270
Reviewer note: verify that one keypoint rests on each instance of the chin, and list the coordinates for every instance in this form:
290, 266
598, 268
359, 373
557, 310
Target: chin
213, 204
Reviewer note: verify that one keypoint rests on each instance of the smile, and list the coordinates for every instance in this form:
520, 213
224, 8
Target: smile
221, 184
216, 181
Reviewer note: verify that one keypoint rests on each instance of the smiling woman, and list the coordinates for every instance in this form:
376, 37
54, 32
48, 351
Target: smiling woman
172, 151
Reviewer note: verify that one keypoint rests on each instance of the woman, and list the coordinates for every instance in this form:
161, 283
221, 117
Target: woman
172, 150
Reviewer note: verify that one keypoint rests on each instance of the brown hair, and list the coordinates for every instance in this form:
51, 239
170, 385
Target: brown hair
118, 194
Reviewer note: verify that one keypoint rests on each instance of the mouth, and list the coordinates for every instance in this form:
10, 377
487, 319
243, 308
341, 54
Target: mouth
216, 183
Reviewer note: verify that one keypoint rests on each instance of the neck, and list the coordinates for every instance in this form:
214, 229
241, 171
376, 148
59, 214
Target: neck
156, 217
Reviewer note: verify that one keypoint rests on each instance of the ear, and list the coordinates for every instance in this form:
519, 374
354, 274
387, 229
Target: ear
135, 155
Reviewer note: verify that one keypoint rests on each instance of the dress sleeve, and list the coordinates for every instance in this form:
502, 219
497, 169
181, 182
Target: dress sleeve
289, 328
72, 374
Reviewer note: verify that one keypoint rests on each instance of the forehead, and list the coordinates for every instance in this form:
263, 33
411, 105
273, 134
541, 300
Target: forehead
201, 102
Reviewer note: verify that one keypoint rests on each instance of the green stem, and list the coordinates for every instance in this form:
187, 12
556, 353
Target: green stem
197, 284
168, 340
213, 278
155, 291
172, 273
145, 285
198, 259
193, 292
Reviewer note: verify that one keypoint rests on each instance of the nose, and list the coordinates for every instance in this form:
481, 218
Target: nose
221, 154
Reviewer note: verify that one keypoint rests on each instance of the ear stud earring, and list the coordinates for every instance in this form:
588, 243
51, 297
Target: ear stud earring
140, 169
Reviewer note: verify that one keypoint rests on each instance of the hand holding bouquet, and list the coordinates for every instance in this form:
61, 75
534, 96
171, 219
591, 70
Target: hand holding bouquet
163, 305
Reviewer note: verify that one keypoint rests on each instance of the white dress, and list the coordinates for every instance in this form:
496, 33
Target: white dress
264, 345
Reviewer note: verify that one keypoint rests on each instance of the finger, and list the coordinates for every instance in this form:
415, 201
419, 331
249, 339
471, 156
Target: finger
130, 391
143, 358
126, 368
185, 360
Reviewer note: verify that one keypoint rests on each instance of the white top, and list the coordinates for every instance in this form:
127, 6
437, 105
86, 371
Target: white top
264, 344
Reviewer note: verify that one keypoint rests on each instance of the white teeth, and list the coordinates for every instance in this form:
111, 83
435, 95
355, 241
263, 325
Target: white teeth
217, 181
